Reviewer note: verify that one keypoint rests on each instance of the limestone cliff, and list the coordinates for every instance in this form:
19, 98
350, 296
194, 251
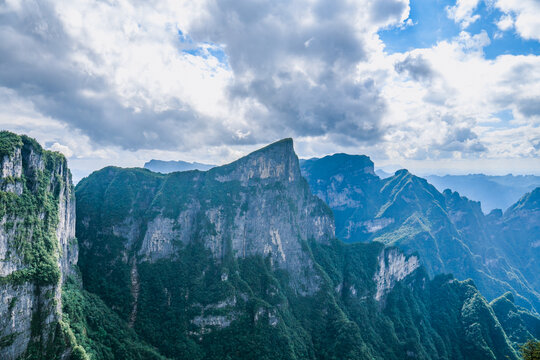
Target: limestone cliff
37, 247
259, 204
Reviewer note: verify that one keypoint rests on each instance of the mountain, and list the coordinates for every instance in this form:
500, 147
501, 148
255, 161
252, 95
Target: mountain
494, 192
517, 322
242, 262
166, 167
448, 231
518, 236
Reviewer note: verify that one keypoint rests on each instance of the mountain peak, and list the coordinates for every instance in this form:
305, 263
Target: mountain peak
529, 201
284, 145
277, 161
402, 173
166, 167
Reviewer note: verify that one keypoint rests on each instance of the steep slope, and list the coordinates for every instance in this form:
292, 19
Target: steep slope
37, 248
346, 183
241, 261
518, 236
44, 313
519, 324
449, 232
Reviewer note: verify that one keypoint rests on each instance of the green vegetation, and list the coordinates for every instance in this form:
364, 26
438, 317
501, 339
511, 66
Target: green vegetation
100, 333
199, 303
9, 142
531, 350
33, 216
449, 232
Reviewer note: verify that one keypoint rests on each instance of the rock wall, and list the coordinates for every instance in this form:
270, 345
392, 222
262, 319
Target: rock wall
257, 205
394, 266
37, 245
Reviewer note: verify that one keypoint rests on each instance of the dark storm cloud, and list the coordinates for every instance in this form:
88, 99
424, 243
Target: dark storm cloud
35, 63
302, 72
416, 67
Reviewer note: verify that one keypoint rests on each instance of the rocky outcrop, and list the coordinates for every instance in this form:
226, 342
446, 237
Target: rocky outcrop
37, 245
242, 261
394, 266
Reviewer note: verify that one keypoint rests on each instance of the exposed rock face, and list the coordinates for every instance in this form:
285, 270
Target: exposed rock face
394, 266
37, 245
11, 172
259, 204
347, 184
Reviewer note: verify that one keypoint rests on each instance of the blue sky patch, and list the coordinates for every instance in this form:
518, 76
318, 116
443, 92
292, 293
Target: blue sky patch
203, 50
431, 25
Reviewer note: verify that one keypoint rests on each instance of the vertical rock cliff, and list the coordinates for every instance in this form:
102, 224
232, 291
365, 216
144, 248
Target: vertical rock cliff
37, 248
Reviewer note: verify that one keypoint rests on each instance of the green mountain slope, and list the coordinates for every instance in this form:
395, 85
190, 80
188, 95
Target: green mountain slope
448, 231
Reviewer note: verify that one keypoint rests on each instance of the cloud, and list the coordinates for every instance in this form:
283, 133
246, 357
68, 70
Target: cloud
523, 14
294, 64
83, 81
462, 12
417, 68
506, 22
389, 12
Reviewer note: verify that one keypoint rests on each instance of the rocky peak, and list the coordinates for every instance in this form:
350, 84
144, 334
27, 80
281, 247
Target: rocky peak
335, 166
275, 162
530, 202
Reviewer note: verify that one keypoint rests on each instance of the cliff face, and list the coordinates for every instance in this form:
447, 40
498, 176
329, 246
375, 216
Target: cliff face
517, 234
258, 205
37, 249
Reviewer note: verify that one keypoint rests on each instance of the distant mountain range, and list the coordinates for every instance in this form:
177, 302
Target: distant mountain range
494, 192
166, 167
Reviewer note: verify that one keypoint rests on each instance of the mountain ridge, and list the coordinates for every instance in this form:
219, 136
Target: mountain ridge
449, 231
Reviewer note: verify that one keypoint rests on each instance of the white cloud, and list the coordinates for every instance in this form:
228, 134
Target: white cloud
506, 22
523, 14
62, 149
463, 12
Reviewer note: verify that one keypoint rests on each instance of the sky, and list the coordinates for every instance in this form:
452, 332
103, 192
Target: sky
436, 86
